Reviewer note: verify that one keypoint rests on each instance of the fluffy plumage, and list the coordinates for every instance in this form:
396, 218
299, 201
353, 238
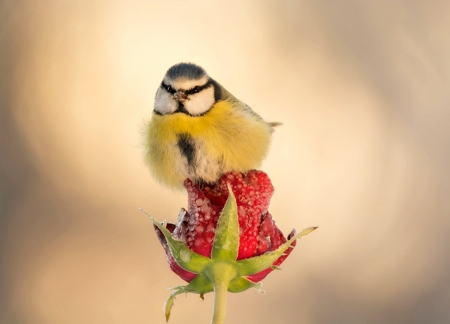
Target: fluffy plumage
200, 131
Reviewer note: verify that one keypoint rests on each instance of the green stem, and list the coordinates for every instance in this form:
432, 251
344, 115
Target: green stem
220, 274
220, 302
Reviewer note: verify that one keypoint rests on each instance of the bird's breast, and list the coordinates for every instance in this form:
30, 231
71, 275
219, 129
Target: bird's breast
227, 138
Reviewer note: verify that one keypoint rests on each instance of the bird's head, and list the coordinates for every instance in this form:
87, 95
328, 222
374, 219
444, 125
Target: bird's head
186, 88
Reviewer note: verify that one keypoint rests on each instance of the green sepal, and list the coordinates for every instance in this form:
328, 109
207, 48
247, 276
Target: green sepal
199, 285
226, 239
186, 258
169, 303
254, 265
241, 284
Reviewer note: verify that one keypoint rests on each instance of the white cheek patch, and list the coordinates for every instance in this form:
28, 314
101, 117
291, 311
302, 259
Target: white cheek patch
187, 84
201, 102
164, 102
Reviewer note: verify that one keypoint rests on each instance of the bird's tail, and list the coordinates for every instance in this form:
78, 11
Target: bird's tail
273, 125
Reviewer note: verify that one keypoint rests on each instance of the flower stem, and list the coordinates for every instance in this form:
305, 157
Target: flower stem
220, 302
220, 274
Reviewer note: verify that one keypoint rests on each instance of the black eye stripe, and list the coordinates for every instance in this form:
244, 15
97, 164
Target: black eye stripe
197, 89
194, 90
168, 88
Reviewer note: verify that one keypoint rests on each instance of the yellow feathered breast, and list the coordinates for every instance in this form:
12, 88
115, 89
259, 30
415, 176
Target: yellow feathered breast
229, 134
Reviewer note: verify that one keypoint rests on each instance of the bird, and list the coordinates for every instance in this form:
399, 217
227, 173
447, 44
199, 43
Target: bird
199, 131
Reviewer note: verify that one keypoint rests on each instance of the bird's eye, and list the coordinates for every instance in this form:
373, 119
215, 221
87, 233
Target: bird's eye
168, 88
196, 89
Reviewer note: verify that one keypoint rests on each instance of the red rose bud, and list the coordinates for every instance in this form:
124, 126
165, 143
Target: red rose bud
196, 227
226, 240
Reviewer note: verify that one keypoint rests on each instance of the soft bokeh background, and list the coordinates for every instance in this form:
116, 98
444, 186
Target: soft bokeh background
362, 88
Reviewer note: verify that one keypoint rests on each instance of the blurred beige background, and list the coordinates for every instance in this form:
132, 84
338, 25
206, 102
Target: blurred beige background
362, 89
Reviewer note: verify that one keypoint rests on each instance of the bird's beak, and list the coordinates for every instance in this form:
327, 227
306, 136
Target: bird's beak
180, 96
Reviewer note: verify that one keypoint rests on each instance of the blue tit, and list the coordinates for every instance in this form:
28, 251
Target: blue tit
199, 130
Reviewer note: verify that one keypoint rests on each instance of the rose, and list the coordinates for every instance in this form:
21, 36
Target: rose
258, 232
226, 239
